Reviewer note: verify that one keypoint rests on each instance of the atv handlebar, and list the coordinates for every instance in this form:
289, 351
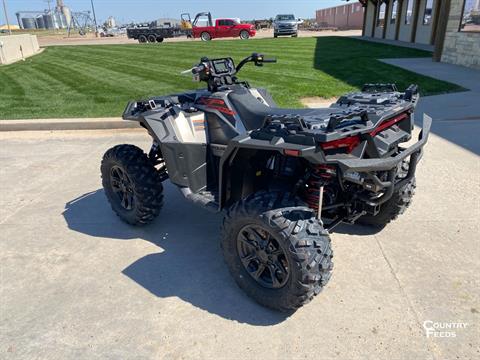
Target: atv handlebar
220, 72
258, 59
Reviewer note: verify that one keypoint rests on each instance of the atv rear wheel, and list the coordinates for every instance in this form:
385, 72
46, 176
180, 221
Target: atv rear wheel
396, 205
276, 250
132, 184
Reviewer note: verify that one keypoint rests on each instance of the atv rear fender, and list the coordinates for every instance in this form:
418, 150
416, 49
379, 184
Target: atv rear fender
357, 170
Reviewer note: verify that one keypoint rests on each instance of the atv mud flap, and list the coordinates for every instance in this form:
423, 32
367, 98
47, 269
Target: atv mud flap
363, 171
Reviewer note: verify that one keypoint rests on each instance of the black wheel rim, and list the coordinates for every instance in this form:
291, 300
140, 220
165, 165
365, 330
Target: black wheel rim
122, 186
263, 257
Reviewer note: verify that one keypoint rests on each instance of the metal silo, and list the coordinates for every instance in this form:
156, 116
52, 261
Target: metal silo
60, 21
48, 21
40, 22
29, 23
68, 15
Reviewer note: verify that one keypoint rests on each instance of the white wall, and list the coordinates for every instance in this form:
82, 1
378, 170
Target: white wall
405, 31
15, 47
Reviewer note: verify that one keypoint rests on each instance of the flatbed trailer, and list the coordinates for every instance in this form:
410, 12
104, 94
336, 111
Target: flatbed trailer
156, 34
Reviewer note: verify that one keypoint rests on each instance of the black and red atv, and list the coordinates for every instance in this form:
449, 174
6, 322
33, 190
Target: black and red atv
284, 177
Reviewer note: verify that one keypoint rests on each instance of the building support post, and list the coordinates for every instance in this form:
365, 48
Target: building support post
365, 7
443, 14
385, 18
398, 18
416, 12
436, 12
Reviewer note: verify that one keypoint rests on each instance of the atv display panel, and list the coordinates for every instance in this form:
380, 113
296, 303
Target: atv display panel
223, 67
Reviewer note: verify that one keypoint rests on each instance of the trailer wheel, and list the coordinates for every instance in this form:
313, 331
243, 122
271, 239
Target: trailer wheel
244, 35
205, 36
152, 38
159, 39
142, 39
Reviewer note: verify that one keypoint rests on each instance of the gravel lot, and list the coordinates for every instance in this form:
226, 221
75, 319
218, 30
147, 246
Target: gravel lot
54, 40
78, 283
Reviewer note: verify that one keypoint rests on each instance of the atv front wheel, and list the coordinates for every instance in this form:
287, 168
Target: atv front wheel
396, 205
276, 250
132, 184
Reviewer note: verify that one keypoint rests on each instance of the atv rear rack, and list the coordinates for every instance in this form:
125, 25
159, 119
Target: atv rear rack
375, 88
383, 164
337, 119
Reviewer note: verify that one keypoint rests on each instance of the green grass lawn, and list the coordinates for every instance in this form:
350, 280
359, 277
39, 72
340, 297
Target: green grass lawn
97, 81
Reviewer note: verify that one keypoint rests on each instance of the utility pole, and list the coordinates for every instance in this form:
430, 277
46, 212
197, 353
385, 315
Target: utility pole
49, 7
6, 17
94, 19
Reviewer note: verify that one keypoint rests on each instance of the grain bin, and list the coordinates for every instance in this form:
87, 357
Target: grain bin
29, 23
48, 21
40, 22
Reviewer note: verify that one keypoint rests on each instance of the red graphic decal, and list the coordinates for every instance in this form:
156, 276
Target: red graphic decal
216, 104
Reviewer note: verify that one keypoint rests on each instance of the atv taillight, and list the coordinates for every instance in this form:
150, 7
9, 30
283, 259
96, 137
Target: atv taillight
347, 144
290, 152
388, 123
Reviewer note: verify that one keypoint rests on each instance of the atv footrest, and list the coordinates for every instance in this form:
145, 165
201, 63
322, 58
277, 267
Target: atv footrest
207, 199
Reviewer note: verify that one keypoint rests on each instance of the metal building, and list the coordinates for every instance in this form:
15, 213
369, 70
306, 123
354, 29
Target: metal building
348, 16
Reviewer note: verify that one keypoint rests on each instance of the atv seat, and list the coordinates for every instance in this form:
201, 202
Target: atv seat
253, 112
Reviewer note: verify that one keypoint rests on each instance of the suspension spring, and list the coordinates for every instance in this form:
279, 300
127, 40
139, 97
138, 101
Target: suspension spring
320, 175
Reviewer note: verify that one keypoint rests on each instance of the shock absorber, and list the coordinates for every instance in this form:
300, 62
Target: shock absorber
320, 176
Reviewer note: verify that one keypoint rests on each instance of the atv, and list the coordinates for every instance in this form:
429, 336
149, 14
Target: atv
284, 178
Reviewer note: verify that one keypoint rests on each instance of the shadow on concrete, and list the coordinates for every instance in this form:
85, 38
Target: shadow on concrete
190, 266
460, 132
456, 116
360, 230
356, 63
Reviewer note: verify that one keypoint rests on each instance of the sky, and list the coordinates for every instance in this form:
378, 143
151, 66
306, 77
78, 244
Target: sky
126, 11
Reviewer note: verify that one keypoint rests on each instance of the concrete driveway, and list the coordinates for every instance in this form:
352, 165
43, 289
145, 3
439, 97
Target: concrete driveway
78, 283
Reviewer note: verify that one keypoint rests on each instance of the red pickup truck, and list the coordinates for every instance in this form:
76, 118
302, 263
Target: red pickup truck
222, 28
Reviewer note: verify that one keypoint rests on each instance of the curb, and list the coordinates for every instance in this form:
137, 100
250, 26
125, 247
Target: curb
67, 124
